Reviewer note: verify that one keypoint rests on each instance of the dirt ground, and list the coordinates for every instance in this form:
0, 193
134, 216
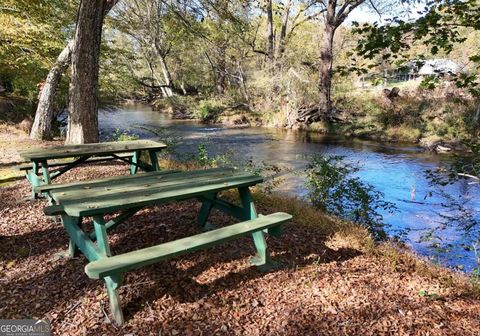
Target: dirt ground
327, 285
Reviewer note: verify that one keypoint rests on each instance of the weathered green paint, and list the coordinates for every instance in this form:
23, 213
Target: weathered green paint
101, 235
53, 210
153, 160
207, 205
147, 256
131, 193
45, 172
262, 259
80, 239
104, 182
135, 186
135, 161
32, 177
112, 283
121, 157
72, 249
83, 153
103, 148
81, 203
247, 202
111, 224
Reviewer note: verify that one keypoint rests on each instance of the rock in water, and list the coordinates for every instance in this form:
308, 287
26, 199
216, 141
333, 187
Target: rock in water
442, 149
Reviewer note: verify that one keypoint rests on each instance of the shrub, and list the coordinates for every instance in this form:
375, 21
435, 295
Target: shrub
333, 189
123, 135
207, 110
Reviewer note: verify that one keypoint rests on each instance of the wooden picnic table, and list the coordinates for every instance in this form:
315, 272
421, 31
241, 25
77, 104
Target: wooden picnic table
122, 197
46, 159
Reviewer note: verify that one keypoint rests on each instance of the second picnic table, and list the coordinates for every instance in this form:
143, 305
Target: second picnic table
44, 161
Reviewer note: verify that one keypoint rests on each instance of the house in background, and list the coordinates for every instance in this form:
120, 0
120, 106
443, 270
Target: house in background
409, 71
419, 69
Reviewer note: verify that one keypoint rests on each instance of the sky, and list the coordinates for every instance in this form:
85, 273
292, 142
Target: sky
365, 14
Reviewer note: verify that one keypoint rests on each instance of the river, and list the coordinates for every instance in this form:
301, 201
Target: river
439, 222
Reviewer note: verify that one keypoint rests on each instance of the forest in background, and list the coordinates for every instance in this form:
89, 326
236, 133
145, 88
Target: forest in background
292, 63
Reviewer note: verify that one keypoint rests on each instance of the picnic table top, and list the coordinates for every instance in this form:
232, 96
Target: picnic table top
148, 189
102, 148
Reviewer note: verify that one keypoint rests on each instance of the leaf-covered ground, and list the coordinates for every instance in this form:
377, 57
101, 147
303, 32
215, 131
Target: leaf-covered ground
327, 285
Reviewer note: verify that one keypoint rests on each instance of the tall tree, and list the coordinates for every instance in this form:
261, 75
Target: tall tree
336, 12
83, 92
147, 22
42, 125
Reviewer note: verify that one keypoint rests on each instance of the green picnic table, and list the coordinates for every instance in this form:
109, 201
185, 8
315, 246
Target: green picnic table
45, 167
123, 196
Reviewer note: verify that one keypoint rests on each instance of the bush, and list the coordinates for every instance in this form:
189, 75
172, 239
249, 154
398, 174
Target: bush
333, 189
208, 110
123, 135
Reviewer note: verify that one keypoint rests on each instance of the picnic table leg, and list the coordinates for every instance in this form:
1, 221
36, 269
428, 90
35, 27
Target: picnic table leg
154, 160
205, 212
262, 260
69, 222
135, 161
101, 235
112, 283
33, 178
72, 249
45, 172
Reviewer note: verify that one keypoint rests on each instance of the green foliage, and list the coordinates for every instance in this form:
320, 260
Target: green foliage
207, 110
201, 158
333, 189
430, 82
123, 135
32, 34
271, 173
442, 26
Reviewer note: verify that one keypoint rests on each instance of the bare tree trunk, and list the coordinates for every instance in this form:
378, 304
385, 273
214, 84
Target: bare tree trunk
166, 73
270, 34
83, 105
283, 34
326, 70
166, 76
42, 125
243, 85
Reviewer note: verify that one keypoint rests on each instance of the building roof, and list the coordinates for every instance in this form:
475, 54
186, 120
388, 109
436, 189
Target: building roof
438, 66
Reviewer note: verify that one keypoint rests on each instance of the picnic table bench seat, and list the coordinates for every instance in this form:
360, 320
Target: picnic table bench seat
150, 255
126, 195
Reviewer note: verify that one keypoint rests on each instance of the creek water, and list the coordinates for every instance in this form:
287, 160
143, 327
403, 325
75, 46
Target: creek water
438, 222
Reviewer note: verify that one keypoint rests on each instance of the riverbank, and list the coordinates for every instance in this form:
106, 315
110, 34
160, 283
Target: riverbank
437, 120
335, 275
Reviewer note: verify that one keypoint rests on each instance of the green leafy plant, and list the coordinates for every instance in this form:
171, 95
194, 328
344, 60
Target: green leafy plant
271, 174
123, 135
207, 110
430, 82
203, 159
333, 188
